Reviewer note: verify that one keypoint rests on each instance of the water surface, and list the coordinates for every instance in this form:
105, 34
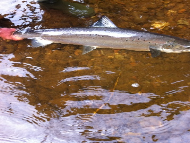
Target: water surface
56, 94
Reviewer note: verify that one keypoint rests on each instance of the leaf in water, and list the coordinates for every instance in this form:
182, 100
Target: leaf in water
182, 22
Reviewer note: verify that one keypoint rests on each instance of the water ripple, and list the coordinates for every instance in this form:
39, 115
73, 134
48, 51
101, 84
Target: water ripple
7, 67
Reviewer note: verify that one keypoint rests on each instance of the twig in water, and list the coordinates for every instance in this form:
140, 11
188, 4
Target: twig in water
110, 95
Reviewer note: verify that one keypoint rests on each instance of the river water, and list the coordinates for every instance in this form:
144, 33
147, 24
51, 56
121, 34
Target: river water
57, 94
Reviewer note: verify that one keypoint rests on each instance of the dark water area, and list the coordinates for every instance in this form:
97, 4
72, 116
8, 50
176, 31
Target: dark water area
57, 94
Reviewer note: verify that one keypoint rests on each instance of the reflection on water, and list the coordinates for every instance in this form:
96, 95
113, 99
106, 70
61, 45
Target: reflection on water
56, 94
84, 77
60, 104
8, 68
21, 12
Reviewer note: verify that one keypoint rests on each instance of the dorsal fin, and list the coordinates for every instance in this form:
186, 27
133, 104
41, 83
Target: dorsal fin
104, 21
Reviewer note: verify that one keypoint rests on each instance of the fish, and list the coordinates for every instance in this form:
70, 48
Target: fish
105, 34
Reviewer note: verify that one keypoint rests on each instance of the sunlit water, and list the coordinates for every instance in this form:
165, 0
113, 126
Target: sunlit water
21, 12
56, 94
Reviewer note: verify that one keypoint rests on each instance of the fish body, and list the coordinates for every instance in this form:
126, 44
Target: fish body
104, 34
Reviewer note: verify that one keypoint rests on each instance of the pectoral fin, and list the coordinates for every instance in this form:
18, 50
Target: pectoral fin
87, 49
154, 51
37, 42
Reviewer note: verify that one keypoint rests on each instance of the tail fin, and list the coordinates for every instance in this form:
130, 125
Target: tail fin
23, 31
27, 30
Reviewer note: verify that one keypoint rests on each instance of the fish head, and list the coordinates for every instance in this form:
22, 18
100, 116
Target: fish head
176, 46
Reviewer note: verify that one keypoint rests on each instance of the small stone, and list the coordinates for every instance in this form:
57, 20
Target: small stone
135, 85
78, 52
118, 56
181, 10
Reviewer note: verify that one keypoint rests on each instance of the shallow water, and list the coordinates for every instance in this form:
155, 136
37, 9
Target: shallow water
56, 94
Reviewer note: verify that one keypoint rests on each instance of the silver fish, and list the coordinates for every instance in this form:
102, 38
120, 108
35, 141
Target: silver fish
104, 34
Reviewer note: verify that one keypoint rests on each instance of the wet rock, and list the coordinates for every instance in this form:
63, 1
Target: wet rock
72, 8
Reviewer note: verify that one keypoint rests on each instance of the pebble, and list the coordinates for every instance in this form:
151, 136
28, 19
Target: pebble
135, 85
119, 57
78, 52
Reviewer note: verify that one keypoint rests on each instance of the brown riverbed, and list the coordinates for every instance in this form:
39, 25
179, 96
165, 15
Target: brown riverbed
56, 94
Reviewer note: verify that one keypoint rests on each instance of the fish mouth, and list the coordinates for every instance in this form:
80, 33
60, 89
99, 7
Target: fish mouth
188, 47
175, 48
185, 49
